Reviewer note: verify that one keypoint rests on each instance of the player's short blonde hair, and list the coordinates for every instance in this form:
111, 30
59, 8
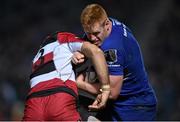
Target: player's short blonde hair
91, 14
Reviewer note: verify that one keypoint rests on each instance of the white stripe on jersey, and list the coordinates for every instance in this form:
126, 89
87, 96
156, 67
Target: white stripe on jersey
48, 76
43, 77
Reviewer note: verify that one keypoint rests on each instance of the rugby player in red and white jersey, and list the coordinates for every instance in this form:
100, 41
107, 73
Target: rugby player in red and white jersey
53, 94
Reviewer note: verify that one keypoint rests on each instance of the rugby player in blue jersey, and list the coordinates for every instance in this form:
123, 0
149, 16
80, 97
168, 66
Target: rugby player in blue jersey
132, 97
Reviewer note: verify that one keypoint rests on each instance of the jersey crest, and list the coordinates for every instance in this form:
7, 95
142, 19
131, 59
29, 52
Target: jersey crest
111, 56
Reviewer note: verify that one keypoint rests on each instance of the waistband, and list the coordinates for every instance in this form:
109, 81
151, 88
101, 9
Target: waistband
48, 92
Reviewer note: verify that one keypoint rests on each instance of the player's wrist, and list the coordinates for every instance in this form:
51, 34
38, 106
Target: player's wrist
105, 88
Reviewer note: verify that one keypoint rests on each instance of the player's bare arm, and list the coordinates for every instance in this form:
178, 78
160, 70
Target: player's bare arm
86, 86
97, 56
99, 62
115, 84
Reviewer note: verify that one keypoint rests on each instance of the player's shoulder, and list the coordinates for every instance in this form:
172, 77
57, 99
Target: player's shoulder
66, 37
117, 26
115, 22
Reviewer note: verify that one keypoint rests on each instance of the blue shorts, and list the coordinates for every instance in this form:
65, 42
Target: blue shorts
135, 113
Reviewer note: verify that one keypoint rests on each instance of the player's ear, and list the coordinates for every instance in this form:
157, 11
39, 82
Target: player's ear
107, 24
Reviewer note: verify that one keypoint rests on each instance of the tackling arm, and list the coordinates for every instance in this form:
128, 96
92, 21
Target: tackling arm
98, 60
115, 84
97, 57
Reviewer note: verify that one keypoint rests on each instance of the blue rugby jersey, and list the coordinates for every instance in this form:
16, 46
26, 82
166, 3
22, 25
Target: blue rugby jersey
123, 56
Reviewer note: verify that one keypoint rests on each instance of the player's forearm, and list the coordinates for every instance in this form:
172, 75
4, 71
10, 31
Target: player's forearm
98, 60
84, 84
116, 82
92, 88
101, 67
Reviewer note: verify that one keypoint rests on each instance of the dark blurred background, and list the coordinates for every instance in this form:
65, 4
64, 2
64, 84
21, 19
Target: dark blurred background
25, 23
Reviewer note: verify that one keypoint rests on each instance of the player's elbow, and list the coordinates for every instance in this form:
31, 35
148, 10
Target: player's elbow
113, 96
91, 50
96, 51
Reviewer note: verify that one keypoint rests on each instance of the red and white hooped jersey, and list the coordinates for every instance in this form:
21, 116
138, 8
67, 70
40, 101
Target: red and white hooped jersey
53, 59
